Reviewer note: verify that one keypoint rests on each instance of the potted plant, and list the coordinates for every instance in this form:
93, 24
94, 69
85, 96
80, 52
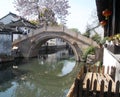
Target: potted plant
114, 44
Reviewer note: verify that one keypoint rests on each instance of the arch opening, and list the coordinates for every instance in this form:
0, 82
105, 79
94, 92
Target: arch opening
41, 40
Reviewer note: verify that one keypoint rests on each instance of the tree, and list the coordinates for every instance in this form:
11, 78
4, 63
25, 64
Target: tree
96, 37
75, 30
93, 22
87, 33
45, 10
89, 50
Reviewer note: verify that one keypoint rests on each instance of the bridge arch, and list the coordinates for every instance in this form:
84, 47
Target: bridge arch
39, 39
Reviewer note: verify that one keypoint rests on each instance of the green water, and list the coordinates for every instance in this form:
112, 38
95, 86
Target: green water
51, 76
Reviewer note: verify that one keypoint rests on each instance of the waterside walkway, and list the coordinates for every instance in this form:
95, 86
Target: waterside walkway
93, 82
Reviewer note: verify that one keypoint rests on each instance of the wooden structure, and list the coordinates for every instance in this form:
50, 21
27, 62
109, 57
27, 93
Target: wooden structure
95, 83
113, 21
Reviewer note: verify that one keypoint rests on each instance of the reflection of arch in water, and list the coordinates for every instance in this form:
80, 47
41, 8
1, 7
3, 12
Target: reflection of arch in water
75, 70
40, 40
46, 89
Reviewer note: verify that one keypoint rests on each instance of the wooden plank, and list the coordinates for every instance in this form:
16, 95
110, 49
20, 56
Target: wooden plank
94, 69
99, 69
95, 77
71, 90
102, 89
101, 77
91, 83
117, 89
108, 78
109, 94
76, 89
80, 88
94, 88
87, 88
88, 76
103, 69
91, 77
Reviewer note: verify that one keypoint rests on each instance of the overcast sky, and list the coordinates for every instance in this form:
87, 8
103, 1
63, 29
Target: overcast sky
80, 12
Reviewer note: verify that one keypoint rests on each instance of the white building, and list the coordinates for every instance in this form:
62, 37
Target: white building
56, 41
17, 23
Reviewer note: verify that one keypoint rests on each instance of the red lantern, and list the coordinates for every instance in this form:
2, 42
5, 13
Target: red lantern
103, 22
106, 13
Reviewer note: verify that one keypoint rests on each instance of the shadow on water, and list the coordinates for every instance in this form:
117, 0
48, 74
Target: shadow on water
10, 71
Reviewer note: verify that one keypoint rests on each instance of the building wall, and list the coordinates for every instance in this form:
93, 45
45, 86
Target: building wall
60, 41
56, 41
110, 60
8, 19
5, 44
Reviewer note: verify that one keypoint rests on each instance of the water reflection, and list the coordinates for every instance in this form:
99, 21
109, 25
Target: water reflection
67, 68
40, 77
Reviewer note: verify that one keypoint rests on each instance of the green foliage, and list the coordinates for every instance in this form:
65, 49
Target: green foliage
96, 37
89, 50
98, 63
86, 34
104, 40
75, 30
35, 22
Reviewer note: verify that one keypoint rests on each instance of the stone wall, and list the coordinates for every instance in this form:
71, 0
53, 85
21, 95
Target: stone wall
5, 44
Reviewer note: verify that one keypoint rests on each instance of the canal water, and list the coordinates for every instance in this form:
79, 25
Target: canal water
48, 75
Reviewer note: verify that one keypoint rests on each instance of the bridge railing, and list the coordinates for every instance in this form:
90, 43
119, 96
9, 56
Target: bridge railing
81, 37
56, 29
37, 31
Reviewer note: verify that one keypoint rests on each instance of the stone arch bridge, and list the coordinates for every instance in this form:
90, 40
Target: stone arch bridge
29, 44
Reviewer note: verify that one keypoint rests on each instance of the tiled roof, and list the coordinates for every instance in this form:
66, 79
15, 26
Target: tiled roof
10, 13
21, 23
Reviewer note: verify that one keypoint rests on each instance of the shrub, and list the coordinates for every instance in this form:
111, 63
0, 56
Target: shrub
89, 50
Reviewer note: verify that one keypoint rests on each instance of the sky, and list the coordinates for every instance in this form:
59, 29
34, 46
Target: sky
80, 12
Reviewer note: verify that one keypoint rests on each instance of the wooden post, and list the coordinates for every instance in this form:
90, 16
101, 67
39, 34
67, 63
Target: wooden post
117, 89
109, 89
103, 69
99, 69
102, 89
88, 88
80, 88
108, 70
94, 88
89, 68
94, 69
85, 69
91, 81
76, 89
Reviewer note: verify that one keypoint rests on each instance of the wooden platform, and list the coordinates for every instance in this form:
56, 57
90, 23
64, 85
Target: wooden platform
92, 82
98, 77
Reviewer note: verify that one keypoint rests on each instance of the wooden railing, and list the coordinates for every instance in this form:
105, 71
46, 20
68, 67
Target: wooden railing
93, 86
81, 92
72, 91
